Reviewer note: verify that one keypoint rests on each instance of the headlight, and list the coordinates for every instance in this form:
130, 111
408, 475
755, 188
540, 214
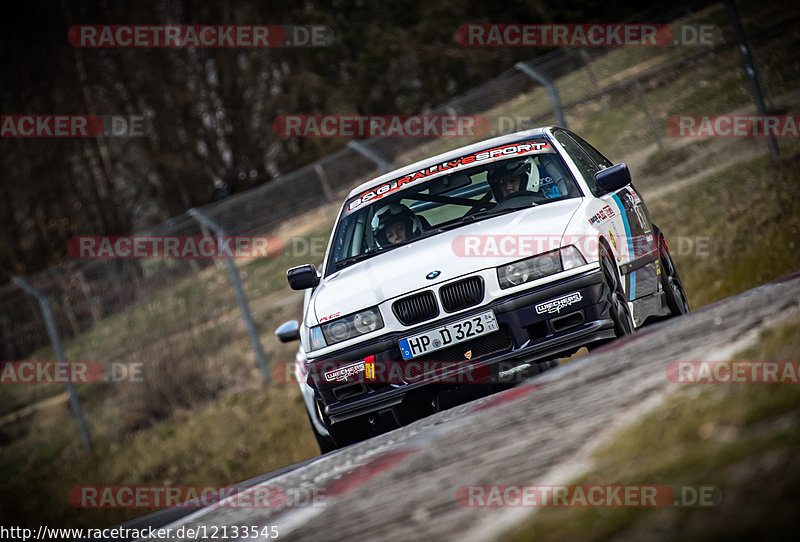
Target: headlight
515, 273
351, 326
367, 321
543, 265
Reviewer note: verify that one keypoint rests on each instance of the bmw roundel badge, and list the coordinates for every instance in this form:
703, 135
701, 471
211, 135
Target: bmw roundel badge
432, 275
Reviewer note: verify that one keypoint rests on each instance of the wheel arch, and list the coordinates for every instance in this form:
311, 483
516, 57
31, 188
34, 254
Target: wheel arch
603, 240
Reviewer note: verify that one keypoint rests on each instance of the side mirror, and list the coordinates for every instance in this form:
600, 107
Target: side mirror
302, 277
613, 178
288, 331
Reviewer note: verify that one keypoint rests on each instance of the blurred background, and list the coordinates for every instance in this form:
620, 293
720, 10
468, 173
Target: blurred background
212, 407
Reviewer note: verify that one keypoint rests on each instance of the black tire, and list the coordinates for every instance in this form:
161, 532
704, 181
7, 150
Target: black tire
671, 282
615, 295
325, 442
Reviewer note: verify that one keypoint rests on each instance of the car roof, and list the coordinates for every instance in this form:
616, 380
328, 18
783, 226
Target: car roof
449, 155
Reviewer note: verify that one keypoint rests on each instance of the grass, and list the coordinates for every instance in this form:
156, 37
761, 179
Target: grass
243, 434
734, 230
665, 159
741, 438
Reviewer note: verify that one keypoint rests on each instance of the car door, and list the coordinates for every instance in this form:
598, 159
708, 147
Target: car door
622, 217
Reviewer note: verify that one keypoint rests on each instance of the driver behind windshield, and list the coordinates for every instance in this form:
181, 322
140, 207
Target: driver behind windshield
510, 184
396, 223
505, 180
517, 177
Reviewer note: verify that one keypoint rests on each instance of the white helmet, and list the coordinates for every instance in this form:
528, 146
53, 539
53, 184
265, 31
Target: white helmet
390, 214
511, 168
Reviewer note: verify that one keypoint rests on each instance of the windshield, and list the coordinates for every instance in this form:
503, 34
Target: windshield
397, 217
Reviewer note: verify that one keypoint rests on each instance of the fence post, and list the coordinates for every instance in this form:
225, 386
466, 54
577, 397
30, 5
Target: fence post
326, 185
236, 282
750, 70
369, 154
552, 91
55, 340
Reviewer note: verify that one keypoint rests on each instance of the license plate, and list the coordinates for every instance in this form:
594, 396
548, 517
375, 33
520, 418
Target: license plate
454, 333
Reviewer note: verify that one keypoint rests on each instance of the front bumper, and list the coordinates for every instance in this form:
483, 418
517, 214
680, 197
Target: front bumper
525, 335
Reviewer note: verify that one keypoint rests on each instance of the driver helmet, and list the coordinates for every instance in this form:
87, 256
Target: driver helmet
509, 170
395, 213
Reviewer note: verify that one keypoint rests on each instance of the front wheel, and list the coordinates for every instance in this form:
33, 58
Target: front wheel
671, 284
325, 442
615, 296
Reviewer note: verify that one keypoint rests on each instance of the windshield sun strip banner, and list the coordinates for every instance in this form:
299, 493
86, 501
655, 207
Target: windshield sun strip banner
518, 148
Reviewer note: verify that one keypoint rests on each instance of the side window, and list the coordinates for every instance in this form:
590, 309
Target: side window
593, 153
586, 165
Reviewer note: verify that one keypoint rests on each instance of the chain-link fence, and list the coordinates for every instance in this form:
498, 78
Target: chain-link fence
179, 318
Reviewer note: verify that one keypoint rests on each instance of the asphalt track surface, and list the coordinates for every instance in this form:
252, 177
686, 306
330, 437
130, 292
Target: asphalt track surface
402, 485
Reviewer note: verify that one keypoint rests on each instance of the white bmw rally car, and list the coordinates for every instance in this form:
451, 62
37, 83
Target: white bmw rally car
473, 267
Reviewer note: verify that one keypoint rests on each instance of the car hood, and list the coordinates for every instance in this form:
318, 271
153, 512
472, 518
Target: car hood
453, 253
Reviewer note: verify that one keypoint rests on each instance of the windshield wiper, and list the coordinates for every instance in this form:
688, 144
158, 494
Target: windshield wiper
368, 254
495, 212
481, 215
